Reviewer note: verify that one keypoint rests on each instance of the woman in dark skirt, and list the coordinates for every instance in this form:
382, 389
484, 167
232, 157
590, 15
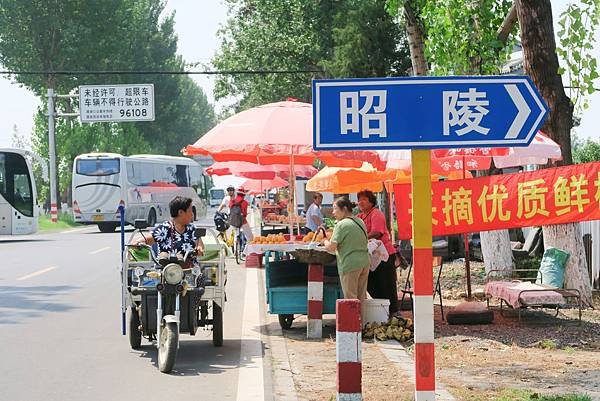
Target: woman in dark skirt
382, 281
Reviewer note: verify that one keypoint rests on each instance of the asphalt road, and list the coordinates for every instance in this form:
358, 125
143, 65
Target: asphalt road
60, 330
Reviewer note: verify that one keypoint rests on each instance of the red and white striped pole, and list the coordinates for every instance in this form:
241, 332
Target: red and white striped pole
348, 344
53, 212
314, 327
423, 277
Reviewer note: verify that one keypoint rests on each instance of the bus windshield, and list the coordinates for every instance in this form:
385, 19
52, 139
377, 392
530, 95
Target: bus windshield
98, 167
217, 194
15, 183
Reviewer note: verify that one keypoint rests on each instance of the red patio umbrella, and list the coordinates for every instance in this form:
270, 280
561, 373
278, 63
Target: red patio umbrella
539, 151
274, 133
259, 172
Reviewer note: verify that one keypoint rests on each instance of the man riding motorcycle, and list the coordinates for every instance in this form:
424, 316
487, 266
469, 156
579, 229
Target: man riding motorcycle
177, 235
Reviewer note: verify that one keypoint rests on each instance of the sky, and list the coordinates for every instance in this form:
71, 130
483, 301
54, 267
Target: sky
196, 24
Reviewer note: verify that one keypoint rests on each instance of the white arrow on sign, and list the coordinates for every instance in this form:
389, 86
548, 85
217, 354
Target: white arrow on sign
523, 113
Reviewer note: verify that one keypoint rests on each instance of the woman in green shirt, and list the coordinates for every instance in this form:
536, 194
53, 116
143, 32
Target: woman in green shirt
349, 241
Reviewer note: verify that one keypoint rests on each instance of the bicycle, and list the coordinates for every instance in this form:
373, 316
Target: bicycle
222, 227
227, 240
240, 243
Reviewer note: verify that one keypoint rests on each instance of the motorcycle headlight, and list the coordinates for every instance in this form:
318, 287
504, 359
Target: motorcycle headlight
173, 273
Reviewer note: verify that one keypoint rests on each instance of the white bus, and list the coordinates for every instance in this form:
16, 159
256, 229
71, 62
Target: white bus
19, 211
144, 184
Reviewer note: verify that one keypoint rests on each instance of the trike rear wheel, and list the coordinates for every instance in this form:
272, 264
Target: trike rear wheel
135, 335
217, 325
285, 321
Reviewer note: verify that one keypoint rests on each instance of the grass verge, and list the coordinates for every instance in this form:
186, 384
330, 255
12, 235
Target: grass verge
65, 221
514, 395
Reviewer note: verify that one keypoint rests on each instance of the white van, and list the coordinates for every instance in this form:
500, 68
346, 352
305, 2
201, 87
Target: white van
215, 196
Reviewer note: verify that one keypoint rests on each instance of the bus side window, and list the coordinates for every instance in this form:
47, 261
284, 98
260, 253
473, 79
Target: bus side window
181, 175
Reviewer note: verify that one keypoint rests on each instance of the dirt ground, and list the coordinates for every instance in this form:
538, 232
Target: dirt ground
314, 368
541, 353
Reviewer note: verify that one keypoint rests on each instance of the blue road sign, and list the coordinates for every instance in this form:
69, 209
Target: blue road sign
426, 112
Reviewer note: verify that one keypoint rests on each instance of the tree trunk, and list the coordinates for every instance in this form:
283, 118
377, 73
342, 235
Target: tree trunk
416, 40
497, 253
576, 274
541, 64
495, 245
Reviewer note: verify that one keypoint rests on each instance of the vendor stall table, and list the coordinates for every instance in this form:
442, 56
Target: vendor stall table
288, 293
299, 288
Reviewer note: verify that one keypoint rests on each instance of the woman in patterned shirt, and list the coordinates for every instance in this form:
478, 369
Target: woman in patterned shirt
179, 234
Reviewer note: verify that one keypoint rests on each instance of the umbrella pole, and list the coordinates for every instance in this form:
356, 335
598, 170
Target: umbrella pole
466, 242
391, 208
292, 199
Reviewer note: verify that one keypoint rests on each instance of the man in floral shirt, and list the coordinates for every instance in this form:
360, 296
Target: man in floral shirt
177, 235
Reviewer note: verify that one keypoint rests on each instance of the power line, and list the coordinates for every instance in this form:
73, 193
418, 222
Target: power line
124, 72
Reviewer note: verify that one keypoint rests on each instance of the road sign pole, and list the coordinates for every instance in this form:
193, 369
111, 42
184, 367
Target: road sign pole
423, 276
52, 154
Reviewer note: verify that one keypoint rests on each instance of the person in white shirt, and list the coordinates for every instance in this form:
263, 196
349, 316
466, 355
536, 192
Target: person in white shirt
224, 206
314, 218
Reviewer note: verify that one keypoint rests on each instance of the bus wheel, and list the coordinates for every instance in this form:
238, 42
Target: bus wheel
107, 227
152, 218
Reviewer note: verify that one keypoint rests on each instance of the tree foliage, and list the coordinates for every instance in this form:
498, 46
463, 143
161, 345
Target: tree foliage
577, 29
79, 35
585, 151
461, 36
344, 39
108, 35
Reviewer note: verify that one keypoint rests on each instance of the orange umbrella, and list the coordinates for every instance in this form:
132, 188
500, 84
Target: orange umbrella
347, 180
275, 133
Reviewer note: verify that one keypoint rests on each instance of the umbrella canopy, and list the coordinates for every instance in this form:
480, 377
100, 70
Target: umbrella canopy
259, 172
258, 186
539, 151
347, 180
273, 133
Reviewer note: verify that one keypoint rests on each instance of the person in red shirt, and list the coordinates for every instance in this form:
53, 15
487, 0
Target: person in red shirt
382, 280
240, 199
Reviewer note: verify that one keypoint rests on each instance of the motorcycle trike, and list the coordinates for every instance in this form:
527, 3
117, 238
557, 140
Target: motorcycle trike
167, 296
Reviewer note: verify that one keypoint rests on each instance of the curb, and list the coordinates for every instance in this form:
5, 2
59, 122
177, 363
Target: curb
284, 388
397, 354
277, 358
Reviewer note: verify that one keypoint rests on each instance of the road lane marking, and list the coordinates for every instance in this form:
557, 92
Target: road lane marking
251, 385
106, 248
37, 273
77, 230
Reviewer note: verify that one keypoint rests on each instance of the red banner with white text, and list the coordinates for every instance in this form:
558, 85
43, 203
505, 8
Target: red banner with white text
550, 196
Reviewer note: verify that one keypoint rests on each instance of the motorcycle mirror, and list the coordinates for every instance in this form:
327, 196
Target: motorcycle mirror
200, 232
140, 224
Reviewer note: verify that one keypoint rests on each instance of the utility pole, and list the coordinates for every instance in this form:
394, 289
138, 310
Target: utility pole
52, 148
52, 154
